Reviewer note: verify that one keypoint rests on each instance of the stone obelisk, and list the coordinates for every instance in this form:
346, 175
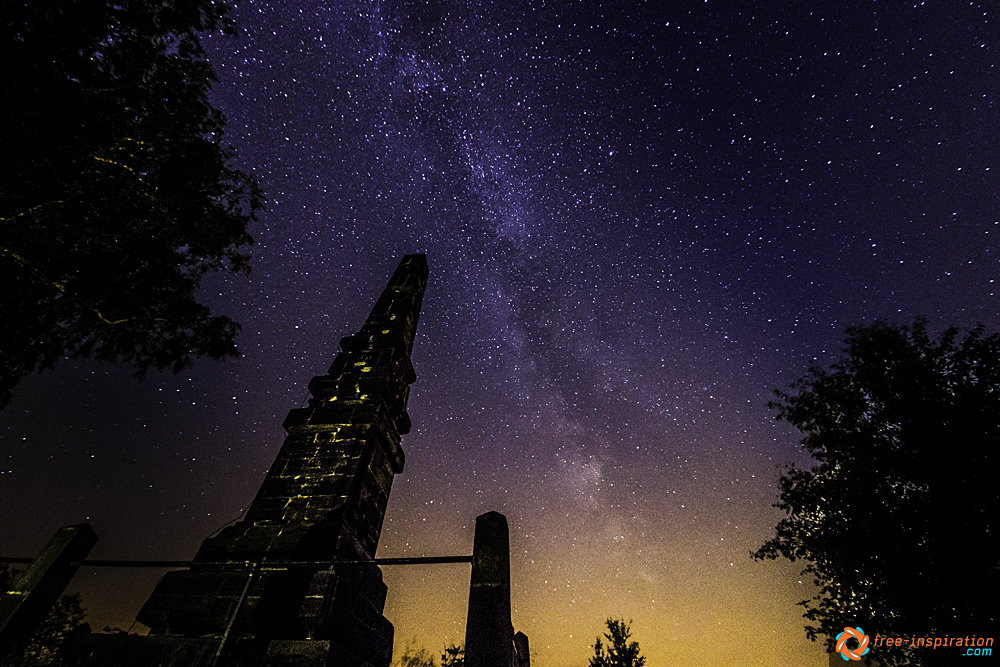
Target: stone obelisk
324, 499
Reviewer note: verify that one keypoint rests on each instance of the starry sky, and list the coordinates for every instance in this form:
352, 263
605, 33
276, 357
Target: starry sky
640, 219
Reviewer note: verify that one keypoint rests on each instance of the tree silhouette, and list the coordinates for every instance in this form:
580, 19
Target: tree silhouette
453, 656
115, 192
897, 520
414, 657
620, 652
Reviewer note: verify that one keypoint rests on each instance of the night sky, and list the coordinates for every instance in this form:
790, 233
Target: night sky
639, 221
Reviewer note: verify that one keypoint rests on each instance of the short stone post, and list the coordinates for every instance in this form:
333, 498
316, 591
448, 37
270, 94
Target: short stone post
489, 636
34, 591
521, 650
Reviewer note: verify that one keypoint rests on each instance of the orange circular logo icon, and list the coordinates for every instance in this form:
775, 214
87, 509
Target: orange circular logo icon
855, 653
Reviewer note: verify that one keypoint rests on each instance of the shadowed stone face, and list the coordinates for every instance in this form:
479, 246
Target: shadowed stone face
489, 635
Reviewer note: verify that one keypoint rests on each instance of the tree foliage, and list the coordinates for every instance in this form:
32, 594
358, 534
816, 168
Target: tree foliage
620, 652
898, 519
45, 648
116, 196
453, 656
414, 657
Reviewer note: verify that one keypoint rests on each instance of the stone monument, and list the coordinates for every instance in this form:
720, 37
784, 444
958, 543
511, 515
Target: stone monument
291, 584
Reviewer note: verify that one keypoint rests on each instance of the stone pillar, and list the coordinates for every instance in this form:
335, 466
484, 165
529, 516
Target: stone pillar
34, 591
521, 650
323, 499
489, 635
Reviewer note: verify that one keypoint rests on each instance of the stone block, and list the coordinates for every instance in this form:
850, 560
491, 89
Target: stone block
120, 650
329, 416
179, 606
298, 653
255, 540
282, 487
266, 510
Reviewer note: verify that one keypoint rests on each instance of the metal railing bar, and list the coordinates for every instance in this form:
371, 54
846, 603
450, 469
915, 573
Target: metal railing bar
265, 564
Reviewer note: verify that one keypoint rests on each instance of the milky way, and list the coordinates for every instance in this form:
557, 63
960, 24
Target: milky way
639, 221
